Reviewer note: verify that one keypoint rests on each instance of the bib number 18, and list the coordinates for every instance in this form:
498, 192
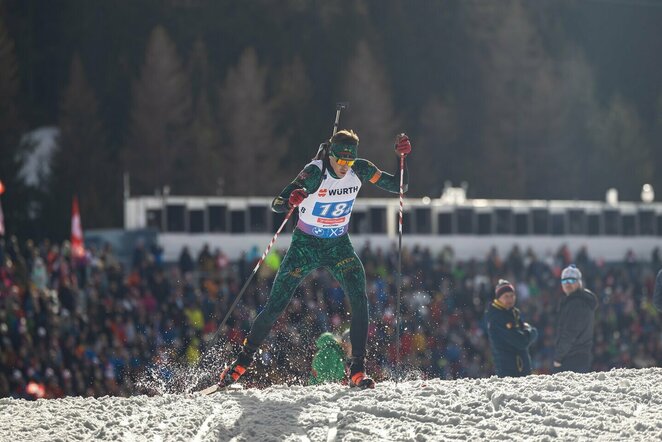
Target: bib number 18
333, 210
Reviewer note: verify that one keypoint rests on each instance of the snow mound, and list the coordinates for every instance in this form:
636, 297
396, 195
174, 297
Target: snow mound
615, 405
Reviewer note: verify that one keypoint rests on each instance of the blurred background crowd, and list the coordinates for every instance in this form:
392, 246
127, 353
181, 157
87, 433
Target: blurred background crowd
96, 326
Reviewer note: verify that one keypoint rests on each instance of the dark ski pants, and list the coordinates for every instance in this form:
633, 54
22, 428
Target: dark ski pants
307, 253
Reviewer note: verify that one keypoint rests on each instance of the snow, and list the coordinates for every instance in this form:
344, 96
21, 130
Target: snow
37, 166
621, 404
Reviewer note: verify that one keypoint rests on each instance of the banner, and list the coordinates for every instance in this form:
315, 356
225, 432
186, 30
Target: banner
77, 246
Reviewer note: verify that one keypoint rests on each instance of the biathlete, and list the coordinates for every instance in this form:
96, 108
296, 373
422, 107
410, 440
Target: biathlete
324, 193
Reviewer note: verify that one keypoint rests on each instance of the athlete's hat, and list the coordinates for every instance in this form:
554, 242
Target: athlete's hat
344, 150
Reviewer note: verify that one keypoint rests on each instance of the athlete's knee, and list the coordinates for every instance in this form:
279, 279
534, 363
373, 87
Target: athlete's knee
282, 291
273, 310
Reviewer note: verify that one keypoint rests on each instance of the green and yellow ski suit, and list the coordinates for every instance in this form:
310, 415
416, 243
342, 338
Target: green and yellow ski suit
324, 242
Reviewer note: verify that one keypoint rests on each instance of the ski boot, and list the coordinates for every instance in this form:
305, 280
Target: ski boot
234, 371
357, 376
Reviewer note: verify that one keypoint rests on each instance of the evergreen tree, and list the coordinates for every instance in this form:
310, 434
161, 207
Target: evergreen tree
439, 141
537, 109
161, 115
252, 151
513, 60
371, 114
520, 79
656, 149
623, 159
564, 171
82, 164
204, 156
293, 95
15, 199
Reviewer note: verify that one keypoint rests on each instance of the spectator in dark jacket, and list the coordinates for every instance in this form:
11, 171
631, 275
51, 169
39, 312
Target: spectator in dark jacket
657, 295
510, 337
574, 330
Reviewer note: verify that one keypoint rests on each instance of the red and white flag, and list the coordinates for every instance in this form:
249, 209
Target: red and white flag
77, 246
2, 216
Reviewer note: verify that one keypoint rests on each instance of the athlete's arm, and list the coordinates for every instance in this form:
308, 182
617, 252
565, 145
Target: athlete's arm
308, 179
366, 170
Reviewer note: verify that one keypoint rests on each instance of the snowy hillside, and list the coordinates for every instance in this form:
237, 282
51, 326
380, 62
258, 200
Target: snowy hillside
617, 405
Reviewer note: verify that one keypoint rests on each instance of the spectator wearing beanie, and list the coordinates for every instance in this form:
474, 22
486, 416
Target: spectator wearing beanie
509, 336
575, 320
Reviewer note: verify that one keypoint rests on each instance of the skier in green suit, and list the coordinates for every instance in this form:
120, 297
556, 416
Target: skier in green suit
324, 192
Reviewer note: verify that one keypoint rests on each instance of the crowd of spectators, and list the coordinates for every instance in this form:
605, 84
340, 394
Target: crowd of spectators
95, 326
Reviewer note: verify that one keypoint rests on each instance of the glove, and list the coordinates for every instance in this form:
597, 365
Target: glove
296, 197
402, 145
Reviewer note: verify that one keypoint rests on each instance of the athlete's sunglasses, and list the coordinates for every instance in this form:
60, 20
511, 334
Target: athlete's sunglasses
343, 161
568, 281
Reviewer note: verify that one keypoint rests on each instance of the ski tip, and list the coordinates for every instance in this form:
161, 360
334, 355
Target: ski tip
209, 390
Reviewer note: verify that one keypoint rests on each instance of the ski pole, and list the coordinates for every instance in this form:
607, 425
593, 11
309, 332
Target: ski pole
399, 278
250, 278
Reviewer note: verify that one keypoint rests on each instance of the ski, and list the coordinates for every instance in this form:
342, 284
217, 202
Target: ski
209, 390
216, 388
